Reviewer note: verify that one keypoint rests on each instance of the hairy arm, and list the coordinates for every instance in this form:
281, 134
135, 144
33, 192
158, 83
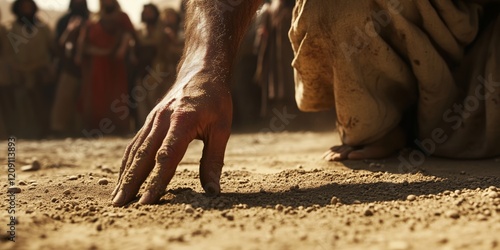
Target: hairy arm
197, 107
214, 30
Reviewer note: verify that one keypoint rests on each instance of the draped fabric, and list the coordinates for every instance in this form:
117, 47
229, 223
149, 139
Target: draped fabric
376, 61
106, 87
28, 50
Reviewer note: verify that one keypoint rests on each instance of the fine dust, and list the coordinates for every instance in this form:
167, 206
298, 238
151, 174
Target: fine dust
277, 193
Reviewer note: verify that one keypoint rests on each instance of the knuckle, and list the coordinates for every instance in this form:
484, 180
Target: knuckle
142, 152
165, 154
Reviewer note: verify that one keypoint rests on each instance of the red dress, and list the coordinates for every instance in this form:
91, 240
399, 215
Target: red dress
105, 106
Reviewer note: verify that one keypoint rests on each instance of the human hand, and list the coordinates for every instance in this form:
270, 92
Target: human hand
198, 107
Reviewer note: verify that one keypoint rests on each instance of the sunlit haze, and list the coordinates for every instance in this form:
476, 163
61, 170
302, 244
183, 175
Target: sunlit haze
132, 7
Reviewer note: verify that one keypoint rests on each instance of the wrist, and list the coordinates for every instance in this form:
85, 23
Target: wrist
204, 62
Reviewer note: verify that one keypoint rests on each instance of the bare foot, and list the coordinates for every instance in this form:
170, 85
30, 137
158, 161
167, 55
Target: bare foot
338, 153
382, 148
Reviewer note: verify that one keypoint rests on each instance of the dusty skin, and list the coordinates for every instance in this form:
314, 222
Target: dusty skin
277, 194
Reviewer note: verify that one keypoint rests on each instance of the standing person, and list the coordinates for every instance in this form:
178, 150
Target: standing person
5, 91
172, 22
274, 71
171, 19
30, 56
106, 43
153, 55
63, 119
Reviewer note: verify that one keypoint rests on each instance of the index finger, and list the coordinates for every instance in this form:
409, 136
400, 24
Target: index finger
168, 157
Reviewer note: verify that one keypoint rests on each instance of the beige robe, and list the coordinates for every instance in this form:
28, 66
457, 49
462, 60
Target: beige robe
375, 60
29, 56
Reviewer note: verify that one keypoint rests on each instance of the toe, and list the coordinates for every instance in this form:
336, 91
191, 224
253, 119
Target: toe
338, 153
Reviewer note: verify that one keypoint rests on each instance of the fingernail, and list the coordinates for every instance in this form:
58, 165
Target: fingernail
119, 198
212, 189
146, 197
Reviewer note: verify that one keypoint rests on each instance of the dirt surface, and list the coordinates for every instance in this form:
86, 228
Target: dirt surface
277, 194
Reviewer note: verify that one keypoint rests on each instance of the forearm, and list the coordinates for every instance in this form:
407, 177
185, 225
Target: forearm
214, 30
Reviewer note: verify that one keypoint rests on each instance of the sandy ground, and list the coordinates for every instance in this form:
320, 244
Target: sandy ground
278, 194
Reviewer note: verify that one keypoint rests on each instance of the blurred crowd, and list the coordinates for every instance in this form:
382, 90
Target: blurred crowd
95, 74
